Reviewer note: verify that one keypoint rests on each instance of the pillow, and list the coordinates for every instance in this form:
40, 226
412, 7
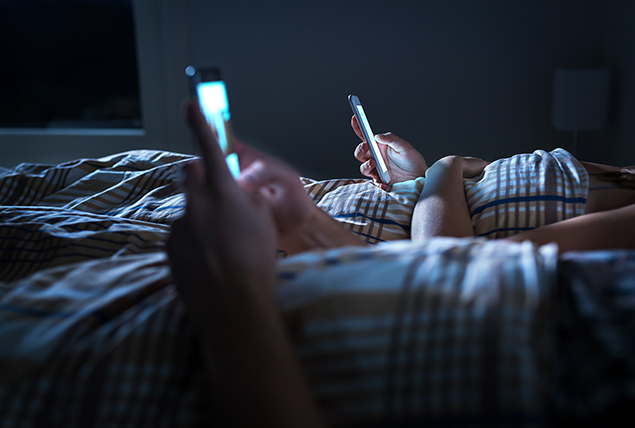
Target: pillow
373, 214
526, 191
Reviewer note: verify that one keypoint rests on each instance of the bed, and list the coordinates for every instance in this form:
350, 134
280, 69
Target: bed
449, 332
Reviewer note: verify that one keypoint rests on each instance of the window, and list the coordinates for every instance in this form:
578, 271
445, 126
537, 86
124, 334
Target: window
85, 78
68, 64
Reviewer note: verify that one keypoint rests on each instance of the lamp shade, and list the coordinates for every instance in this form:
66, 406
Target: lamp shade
580, 99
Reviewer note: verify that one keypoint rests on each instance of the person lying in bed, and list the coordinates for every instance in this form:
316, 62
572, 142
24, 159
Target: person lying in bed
222, 254
445, 207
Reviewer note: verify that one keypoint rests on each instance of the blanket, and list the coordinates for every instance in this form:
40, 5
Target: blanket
93, 333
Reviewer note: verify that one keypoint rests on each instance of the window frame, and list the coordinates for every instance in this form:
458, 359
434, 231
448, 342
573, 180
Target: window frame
162, 55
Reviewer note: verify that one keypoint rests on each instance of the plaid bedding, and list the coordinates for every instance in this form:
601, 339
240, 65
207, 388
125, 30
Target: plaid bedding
447, 333
92, 332
526, 191
139, 185
594, 372
107, 342
373, 214
102, 343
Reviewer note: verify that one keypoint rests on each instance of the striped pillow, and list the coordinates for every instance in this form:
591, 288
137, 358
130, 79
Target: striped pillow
373, 214
526, 191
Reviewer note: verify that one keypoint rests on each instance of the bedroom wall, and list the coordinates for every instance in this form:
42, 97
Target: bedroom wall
463, 77
618, 142
458, 76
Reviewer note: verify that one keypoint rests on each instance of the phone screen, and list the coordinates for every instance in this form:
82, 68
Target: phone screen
358, 110
371, 139
212, 97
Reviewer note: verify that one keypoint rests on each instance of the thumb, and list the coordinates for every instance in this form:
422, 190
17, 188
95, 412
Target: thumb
255, 175
261, 173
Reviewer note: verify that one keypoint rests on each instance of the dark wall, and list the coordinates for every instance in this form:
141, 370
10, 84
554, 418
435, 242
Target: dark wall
457, 76
617, 144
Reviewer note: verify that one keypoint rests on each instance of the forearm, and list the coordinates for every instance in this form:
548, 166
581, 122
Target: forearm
442, 208
256, 365
319, 231
597, 231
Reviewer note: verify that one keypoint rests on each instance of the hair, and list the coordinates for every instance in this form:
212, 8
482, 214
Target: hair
619, 178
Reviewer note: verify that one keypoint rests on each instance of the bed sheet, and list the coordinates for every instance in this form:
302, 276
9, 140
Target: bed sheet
92, 331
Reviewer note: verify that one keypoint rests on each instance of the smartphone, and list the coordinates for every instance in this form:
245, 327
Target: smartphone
369, 137
208, 87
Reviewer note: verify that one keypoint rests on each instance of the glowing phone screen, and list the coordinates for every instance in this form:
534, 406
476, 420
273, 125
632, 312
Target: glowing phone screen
212, 97
371, 138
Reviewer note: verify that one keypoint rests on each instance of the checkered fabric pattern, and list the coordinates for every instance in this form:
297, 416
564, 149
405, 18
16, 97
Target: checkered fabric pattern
444, 332
91, 329
526, 191
369, 212
102, 343
447, 333
52, 215
139, 185
594, 372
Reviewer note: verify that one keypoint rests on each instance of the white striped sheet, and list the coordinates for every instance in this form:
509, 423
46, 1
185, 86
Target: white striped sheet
387, 276
102, 201
72, 197
350, 262
485, 192
388, 261
399, 218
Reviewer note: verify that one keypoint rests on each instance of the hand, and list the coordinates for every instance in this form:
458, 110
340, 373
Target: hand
280, 188
471, 166
404, 162
222, 253
226, 239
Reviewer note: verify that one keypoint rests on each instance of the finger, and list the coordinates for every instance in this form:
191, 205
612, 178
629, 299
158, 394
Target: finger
193, 185
192, 168
379, 184
193, 175
261, 173
362, 152
356, 128
248, 155
397, 144
253, 176
216, 172
369, 169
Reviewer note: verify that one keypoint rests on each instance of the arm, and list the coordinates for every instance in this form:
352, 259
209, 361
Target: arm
442, 207
319, 231
300, 224
596, 231
222, 254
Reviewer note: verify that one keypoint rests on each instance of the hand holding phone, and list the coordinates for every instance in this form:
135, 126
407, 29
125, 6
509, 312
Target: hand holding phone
208, 87
369, 137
